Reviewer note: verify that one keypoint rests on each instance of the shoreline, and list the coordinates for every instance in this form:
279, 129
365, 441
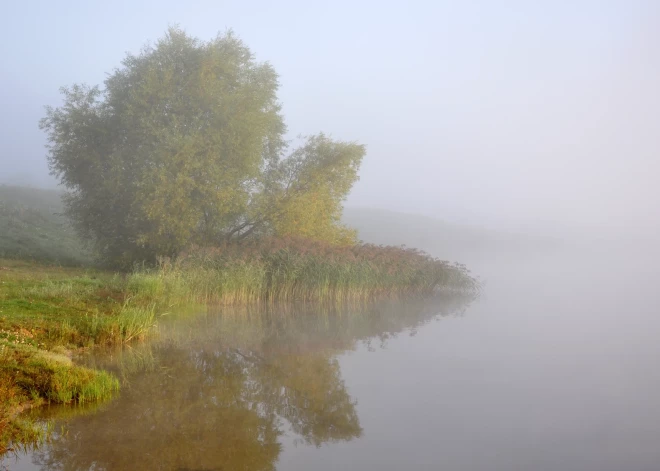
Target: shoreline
47, 311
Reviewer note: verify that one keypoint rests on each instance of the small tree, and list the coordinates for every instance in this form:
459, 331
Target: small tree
185, 145
311, 187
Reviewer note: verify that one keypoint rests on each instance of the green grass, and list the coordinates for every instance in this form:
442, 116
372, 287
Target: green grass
34, 228
45, 312
67, 306
30, 376
51, 376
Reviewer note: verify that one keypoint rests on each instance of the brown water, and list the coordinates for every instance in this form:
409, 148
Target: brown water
555, 367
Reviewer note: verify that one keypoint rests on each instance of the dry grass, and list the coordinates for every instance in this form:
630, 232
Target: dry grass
276, 270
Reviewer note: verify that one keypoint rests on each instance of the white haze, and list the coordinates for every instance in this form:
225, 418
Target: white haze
533, 116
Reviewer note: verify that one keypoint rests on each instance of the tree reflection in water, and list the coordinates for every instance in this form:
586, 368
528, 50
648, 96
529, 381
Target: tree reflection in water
216, 391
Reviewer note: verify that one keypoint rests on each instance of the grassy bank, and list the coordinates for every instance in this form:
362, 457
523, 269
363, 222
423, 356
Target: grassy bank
30, 376
79, 307
47, 312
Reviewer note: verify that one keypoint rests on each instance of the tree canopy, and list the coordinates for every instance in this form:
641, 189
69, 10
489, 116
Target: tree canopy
185, 144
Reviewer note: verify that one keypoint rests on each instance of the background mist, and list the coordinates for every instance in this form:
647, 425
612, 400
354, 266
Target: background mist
529, 116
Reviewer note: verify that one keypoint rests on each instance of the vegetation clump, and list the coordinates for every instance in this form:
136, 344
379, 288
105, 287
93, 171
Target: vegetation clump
30, 376
47, 312
291, 269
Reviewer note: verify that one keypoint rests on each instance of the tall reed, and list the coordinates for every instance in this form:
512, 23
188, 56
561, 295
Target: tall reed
268, 270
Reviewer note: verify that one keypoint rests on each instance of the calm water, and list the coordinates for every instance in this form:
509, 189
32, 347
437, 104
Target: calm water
555, 367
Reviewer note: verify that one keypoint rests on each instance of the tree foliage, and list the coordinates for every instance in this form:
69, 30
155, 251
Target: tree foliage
185, 144
310, 187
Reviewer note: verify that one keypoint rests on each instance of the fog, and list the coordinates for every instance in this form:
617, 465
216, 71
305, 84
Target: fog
531, 116
517, 137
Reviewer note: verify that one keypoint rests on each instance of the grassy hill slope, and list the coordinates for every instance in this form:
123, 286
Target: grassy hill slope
32, 227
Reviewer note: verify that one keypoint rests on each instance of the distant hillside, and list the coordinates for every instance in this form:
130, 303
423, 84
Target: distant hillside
442, 239
32, 226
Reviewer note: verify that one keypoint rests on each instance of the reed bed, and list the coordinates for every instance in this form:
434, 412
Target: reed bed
294, 270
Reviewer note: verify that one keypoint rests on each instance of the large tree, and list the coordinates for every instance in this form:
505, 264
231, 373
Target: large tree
185, 144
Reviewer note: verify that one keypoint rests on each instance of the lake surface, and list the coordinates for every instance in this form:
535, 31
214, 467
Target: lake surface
554, 367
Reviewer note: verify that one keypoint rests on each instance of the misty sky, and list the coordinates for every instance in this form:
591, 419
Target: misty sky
483, 112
